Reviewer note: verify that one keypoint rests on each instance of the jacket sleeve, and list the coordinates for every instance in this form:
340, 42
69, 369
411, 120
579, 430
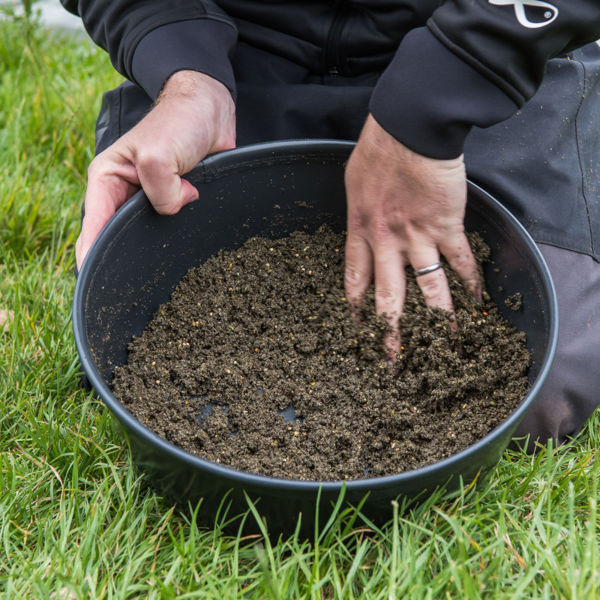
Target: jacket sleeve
475, 63
148, 41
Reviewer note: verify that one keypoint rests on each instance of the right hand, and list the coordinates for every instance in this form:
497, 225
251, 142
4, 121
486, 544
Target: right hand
404, 209
193, 117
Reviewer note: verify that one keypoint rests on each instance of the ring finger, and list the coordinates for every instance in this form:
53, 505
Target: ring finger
432, 282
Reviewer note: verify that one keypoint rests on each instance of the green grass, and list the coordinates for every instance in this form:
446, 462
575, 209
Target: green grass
76, 521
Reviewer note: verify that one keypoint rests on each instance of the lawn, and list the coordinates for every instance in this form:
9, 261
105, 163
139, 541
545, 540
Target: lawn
76, 519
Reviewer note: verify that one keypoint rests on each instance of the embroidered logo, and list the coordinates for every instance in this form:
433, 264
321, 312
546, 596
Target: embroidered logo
550, 12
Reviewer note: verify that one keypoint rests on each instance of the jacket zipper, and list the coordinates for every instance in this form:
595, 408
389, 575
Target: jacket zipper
332, 54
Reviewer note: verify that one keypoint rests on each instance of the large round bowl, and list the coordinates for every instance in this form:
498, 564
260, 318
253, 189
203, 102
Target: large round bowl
272, 190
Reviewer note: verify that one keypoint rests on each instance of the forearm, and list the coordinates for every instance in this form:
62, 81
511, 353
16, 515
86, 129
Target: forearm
149, 41
475, 64
510, 42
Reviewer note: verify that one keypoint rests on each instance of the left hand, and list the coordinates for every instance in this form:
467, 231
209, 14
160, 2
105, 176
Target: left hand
194, 116
404, 209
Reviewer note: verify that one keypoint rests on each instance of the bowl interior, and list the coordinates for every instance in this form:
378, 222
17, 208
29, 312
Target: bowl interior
141, 256
272, 190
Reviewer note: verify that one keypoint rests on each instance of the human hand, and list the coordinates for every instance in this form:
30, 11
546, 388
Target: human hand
194, 116
404, 209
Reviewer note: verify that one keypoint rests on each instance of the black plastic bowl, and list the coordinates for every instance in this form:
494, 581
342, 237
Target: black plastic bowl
272, 190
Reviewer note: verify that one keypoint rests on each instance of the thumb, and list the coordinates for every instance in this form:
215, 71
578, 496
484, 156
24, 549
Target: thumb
165, 189
188, 193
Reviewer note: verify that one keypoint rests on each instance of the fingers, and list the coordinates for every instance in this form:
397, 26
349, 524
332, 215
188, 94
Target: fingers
358, 272
91, 226
390, 284
110, 183
386, 266
390, 291
462, 262
434, 286
107, 192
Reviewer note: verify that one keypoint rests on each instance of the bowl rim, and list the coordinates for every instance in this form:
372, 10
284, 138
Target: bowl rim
229, 158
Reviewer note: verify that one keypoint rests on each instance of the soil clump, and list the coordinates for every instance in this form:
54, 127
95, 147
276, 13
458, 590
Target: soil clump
257, 363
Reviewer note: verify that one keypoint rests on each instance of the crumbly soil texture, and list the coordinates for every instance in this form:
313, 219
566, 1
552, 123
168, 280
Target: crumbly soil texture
256, 362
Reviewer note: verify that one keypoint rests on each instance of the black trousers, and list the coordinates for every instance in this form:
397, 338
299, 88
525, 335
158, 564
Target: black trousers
543, 164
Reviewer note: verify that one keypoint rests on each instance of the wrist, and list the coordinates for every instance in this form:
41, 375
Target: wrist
379, 141
203, 104
192, 84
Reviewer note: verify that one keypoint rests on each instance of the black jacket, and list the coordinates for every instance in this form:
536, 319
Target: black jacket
446, 65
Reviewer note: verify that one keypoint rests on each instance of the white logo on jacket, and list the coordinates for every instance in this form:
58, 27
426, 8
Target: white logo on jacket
550, 13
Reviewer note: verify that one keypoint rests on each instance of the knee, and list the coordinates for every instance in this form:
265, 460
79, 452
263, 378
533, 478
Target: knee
572, 389
554, 415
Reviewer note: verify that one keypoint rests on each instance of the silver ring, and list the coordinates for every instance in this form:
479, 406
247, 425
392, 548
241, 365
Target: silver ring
429, 269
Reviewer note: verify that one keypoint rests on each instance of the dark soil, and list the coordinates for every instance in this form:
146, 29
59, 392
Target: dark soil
514, 302
256, 363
